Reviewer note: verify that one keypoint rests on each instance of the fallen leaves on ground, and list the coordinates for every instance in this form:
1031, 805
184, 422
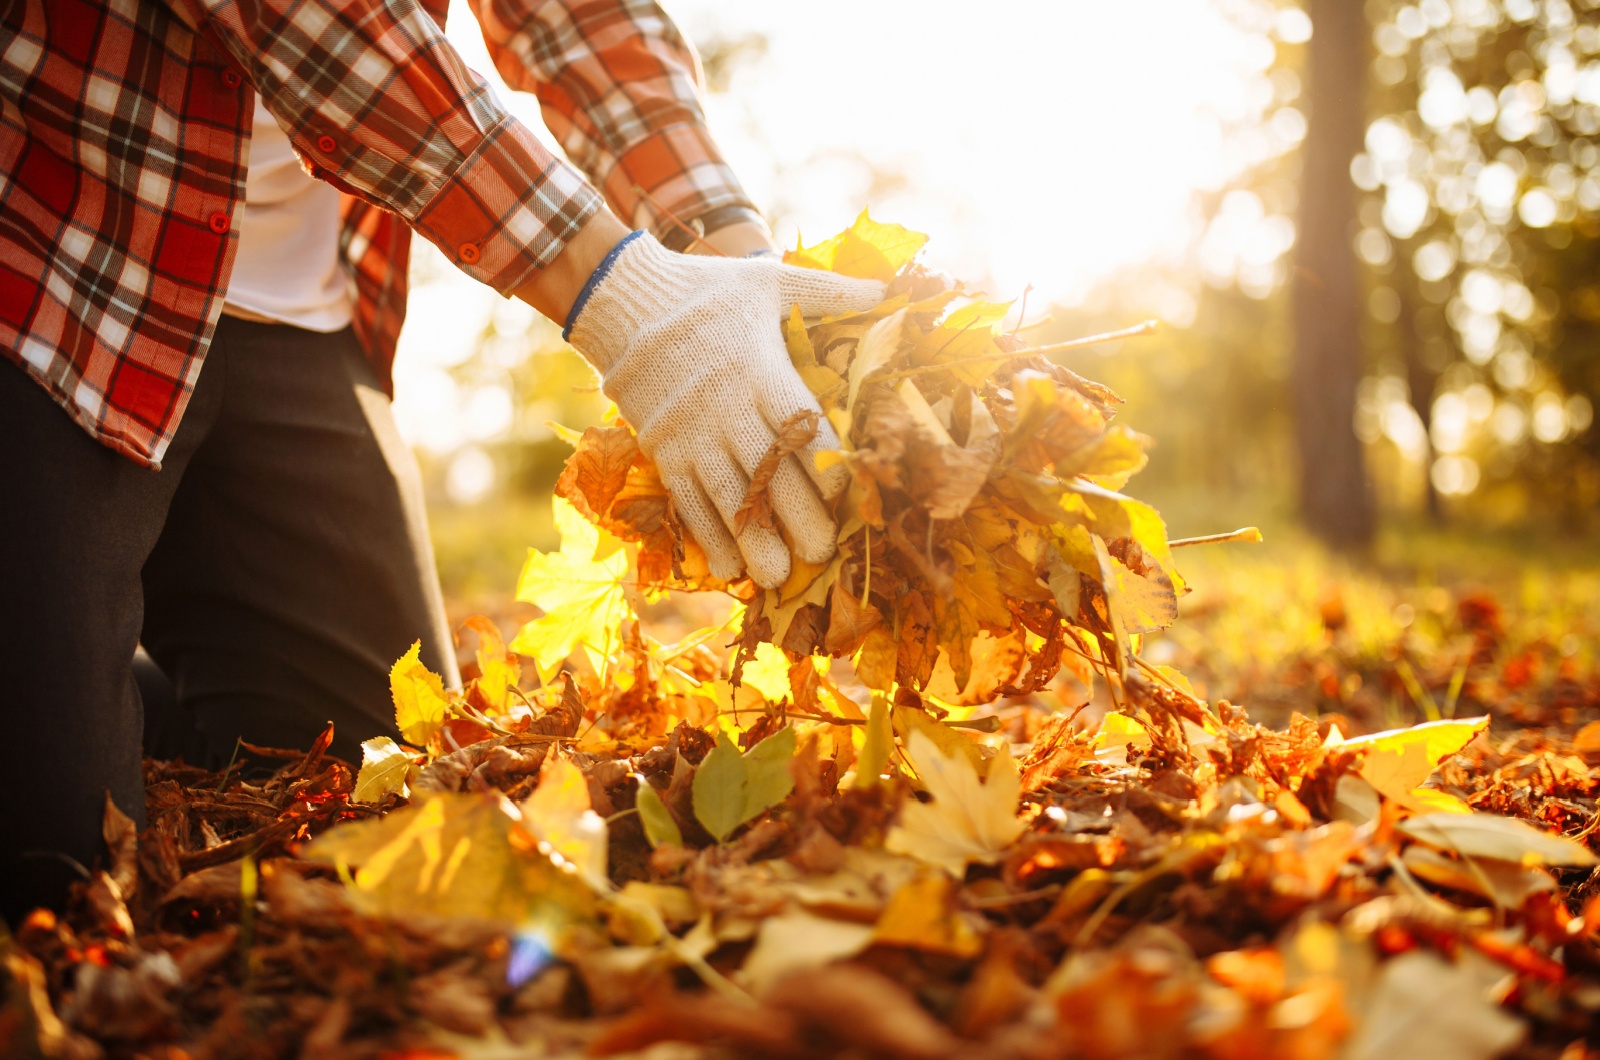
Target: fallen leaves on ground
935, 804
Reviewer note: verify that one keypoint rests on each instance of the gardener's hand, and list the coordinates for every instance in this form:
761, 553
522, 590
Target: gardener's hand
690, 349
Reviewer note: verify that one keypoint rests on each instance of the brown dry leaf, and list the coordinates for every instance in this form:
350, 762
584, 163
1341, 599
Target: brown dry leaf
688, 1018
1506, 884
1057, 749
598, 469
875, 662
1482, 835
946, 477
454, 1000
1425, 1008
849, 623
1134, 1001
794, 433
29, 1027
866, 1010
798, 941
919, 645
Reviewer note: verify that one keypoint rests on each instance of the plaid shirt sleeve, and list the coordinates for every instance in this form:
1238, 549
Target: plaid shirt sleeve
620, 88
380, 103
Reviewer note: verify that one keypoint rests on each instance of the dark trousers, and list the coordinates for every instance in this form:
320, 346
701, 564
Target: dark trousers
273, 569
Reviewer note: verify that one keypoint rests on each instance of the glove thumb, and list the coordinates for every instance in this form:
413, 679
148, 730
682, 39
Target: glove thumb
819, 293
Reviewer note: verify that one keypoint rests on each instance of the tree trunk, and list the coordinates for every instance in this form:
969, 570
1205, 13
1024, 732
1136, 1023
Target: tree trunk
1334, 498
1420, 381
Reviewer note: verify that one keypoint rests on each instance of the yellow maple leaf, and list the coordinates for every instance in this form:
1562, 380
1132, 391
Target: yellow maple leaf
866, 250
580, 589
451, 855
384, 769
923, 915
497, 670
1399, 760
968, 820
812, 591
768, 672
968, 332
1118, 732
419, 699
560, 819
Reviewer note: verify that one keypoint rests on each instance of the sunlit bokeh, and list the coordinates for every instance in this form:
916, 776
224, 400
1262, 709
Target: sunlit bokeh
1042, 145
1478, 181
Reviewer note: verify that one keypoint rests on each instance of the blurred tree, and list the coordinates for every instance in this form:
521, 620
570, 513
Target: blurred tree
1483, 175
1326, 296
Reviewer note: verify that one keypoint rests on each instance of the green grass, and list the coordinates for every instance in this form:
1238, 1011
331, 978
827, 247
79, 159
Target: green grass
480, 548
1256, 627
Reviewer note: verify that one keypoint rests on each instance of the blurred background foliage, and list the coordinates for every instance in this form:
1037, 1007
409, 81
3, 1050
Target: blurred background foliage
1471, 236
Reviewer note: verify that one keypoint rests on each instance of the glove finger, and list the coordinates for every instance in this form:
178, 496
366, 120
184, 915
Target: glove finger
819, 293
782, 400
800, 510
766, 557
794, 499
703, 522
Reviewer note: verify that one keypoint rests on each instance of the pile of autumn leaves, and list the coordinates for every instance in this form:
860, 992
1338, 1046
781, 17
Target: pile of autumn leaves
981, 539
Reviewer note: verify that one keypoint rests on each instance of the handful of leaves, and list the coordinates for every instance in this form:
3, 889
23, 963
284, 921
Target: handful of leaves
983, 535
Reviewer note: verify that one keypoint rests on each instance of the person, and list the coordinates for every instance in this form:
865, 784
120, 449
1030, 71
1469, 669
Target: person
205, 215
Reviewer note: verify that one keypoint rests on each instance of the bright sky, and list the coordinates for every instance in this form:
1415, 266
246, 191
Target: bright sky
1042, 142
1049, 142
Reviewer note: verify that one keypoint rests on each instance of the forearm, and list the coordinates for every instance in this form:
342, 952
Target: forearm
621, 89
395, 117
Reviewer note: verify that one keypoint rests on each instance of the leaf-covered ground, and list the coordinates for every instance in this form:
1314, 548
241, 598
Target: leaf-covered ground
951, 794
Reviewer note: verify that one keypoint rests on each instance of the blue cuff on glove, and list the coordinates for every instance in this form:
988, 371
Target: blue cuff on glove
594, 279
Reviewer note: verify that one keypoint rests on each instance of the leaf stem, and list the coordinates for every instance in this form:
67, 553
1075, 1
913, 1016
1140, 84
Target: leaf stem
1149, 327
866, 588
669, 215
223, 783
1248, 534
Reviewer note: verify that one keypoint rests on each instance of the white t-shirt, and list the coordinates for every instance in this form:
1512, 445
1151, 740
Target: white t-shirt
287, 269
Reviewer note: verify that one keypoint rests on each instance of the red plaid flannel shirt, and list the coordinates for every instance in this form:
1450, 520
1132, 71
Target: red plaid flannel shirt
124, 137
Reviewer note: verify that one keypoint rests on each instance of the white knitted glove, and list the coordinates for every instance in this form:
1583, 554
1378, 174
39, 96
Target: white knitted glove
691, 350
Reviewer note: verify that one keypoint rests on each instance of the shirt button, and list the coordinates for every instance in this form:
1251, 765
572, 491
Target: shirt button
231, 78
326, 144
468, 252
220, 223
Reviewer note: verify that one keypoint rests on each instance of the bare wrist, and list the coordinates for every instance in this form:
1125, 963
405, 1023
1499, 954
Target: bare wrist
738, 240
556, 287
